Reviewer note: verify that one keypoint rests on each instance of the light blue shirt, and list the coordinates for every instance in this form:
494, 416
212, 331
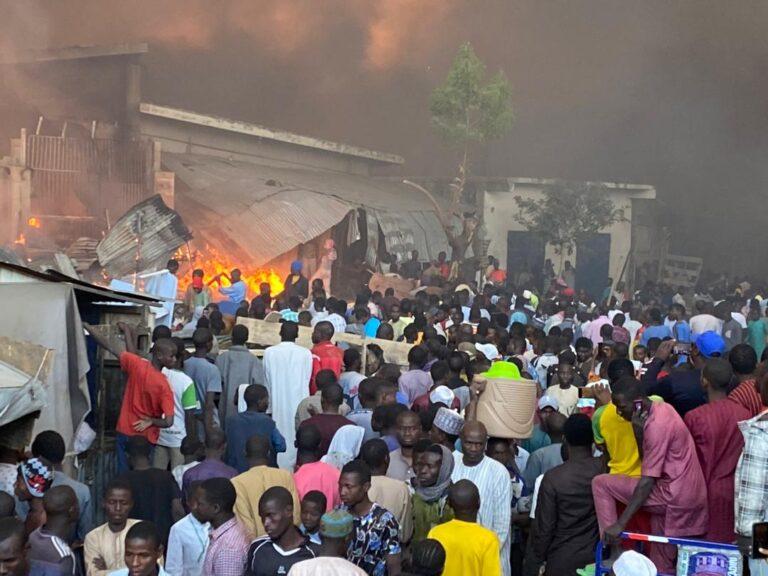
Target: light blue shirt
235, 293
187, 544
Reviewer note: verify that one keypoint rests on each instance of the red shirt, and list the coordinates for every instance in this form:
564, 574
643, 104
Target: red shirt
422, 403
746, 395
498, 276
147, 394
328, 425
325, 356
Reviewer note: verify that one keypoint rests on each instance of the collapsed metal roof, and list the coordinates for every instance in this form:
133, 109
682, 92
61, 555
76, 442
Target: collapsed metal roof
142, 238
257, 212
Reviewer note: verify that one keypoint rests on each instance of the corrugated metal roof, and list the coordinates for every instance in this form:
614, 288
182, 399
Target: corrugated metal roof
433, 231
256, 212
398, 236
234, 180
263, 230
160, 229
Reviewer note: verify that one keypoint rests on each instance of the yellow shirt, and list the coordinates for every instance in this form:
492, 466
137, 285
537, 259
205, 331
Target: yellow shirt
619, 439
470, 549
251, 485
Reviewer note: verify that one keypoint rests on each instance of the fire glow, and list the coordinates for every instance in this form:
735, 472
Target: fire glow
213, 263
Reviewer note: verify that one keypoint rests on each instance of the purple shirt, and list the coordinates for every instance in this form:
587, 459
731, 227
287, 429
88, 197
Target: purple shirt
228, 550
208, 468
669, 456
594, 329
414, 383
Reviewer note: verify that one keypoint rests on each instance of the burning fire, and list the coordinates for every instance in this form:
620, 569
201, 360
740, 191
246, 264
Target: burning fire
34, 222
213, 263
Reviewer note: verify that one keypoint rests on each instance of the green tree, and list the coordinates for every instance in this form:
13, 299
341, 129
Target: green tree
567, 213
467, 110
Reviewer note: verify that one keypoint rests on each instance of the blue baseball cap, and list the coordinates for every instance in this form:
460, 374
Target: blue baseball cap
710, 344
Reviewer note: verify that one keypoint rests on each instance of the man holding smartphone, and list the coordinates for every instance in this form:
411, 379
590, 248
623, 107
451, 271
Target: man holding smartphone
682, 386
671, 487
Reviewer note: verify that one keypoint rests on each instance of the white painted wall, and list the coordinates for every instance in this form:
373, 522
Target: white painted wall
499, 213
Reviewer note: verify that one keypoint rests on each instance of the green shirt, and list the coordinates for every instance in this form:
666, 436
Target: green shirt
427, 515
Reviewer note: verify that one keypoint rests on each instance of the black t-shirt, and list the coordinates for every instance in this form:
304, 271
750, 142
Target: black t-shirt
266, 558
153, 493
455, 382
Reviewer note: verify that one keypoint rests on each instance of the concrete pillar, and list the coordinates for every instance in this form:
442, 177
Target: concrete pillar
132, 98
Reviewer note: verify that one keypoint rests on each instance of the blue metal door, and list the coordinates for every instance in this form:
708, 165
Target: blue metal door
525, 252
592, 257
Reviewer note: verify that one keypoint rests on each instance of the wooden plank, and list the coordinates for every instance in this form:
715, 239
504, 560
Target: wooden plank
264, 333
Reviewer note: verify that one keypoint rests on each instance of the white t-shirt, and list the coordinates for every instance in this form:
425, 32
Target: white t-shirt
705, 323
184, 398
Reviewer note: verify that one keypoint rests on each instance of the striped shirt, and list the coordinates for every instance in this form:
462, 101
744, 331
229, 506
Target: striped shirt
751, 481
746, 394
228, 550
495, 487
49, 550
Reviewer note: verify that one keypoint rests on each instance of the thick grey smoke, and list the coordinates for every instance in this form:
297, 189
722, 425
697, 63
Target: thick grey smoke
658, 92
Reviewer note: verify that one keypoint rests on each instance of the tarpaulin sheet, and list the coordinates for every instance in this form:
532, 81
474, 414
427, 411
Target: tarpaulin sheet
46, 314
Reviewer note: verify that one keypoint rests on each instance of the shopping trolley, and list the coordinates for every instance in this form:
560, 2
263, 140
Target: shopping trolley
600, 570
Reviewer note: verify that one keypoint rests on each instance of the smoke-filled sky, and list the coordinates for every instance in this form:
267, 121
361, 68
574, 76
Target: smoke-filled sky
669, 93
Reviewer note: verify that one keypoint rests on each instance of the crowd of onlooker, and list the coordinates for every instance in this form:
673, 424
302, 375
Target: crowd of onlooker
650, 417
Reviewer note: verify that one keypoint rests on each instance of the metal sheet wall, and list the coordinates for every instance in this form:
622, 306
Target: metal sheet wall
398, 236
86, 179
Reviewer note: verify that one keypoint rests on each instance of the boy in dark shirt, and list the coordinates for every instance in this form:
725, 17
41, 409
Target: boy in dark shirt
253, 422
284, 545
156, 495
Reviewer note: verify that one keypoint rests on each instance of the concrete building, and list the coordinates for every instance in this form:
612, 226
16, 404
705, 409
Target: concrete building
613, 252
264, 197
75, 163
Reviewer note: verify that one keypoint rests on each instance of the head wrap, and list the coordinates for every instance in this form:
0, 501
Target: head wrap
336, 524
345, 446
433, 493
37, 476
296, 266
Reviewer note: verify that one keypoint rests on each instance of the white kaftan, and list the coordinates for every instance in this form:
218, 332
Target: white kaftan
163, 285
287, 368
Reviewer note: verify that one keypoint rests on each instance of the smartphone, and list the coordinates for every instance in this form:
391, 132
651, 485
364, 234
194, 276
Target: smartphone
759, 539
638, 406
682, 348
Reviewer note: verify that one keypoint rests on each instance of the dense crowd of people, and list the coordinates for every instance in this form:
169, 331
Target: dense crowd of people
651, 417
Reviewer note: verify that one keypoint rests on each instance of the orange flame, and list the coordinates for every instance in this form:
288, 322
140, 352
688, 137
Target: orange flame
21, 240
213, 263
34, 222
